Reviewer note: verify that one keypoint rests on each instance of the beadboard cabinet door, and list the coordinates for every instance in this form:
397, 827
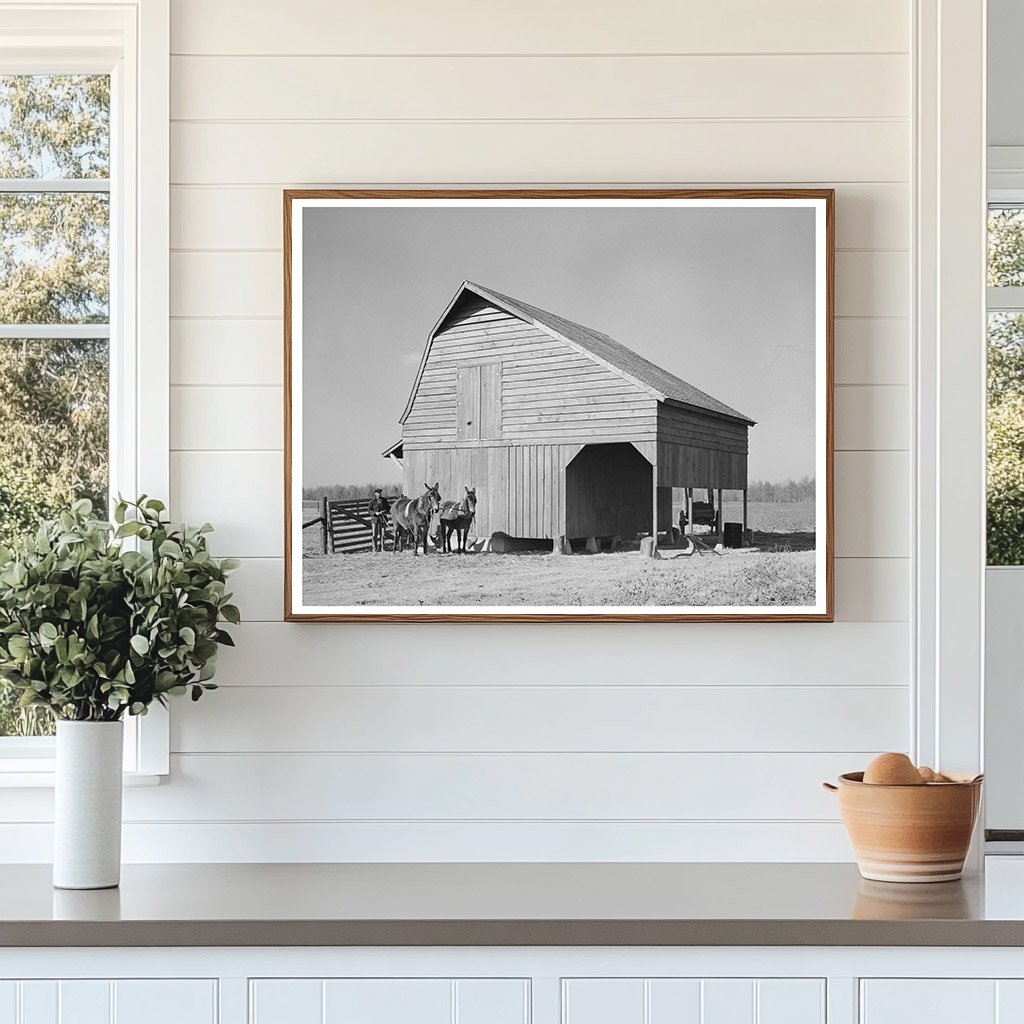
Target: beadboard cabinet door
693, 1001
388, 1000
942, 1001
101, 1001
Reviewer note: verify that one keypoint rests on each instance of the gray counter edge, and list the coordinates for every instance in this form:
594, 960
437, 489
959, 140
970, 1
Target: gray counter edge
251, 933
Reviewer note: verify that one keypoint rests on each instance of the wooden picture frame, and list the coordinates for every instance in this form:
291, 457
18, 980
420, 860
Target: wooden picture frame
550, 477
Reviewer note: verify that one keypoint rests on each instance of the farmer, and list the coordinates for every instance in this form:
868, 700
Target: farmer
380, 507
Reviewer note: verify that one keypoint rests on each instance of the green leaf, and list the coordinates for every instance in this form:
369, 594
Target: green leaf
232, 614
170, 549
140, 644
48, 631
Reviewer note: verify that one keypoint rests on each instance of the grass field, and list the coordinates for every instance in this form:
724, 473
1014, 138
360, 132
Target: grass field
737, 578
778, 571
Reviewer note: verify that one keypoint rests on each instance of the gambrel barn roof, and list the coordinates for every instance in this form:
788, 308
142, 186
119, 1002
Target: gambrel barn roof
659, 383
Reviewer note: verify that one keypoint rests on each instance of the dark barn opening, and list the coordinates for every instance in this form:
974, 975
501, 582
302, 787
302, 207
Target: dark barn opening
608, 489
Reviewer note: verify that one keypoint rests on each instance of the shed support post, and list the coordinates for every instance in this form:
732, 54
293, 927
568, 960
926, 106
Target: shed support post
324, 521
743, 539
719, 520
689, 510
654, 502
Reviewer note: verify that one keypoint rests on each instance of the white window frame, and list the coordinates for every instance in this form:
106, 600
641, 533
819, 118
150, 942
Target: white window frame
949, 393
130, 41
1004, 717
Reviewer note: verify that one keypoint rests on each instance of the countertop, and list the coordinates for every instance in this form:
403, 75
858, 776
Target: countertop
519, 904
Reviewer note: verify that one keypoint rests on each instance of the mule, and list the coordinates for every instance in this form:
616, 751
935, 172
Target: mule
411, 516
456, 517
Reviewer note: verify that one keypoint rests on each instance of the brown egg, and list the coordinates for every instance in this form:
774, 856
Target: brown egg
893, 770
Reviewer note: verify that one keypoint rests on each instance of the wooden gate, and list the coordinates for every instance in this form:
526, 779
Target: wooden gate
346, 526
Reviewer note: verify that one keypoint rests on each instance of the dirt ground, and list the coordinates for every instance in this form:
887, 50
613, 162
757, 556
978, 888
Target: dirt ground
741, 577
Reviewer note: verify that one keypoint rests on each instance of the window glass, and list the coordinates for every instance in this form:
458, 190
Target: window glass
1006, 246
1005, 438
54, 257
54, 127
54, 279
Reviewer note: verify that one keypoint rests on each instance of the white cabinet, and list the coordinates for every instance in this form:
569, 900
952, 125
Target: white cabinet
942, 1001
693, 1001
389, 1001
93, 1001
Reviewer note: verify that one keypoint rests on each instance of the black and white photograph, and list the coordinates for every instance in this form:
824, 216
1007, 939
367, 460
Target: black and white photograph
517, 406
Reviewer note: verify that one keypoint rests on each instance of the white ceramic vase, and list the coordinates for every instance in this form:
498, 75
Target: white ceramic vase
87, 806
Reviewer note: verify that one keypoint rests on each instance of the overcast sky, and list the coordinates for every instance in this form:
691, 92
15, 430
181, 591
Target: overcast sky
723, 298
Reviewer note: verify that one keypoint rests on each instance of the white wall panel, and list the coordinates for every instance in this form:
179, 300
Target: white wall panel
730, 152
537, 88
872, 504
160, 842
470, 787
233, 284
227, 352
868, 216
796, 654
872, 283
258, 587
872, 351
872, 589
872, 418
551, 717
465, 26
240, 418
239, 492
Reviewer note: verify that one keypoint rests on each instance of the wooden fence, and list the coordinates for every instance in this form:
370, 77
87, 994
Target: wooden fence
345, 526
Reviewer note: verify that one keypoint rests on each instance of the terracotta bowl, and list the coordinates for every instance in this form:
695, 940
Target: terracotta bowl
909, 833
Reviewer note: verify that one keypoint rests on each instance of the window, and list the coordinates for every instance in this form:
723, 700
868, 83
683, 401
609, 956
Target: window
54, 308
84, 125
1005, 483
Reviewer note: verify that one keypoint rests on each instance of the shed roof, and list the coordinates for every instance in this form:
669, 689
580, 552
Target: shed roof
664, 386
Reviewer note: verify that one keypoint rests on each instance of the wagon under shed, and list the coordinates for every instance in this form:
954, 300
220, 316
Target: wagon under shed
563, 431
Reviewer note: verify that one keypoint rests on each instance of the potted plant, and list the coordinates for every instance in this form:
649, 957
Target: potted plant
92, 630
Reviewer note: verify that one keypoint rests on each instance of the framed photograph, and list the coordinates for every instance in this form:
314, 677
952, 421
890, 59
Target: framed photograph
560, 405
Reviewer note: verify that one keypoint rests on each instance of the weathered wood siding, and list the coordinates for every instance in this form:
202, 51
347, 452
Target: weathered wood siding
608, 491
520, 488
700, 450
531, 388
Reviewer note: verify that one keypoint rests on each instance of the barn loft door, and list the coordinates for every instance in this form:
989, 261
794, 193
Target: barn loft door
478, 401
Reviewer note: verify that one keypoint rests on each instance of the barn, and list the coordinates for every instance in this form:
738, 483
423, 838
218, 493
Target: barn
563, 431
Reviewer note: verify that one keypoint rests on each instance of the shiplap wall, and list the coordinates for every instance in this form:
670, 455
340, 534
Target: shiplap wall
684, 741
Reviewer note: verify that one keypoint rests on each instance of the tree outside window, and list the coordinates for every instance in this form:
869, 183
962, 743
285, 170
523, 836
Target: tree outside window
54, 307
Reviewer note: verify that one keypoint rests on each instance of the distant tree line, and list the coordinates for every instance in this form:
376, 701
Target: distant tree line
785, 490
345, 492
